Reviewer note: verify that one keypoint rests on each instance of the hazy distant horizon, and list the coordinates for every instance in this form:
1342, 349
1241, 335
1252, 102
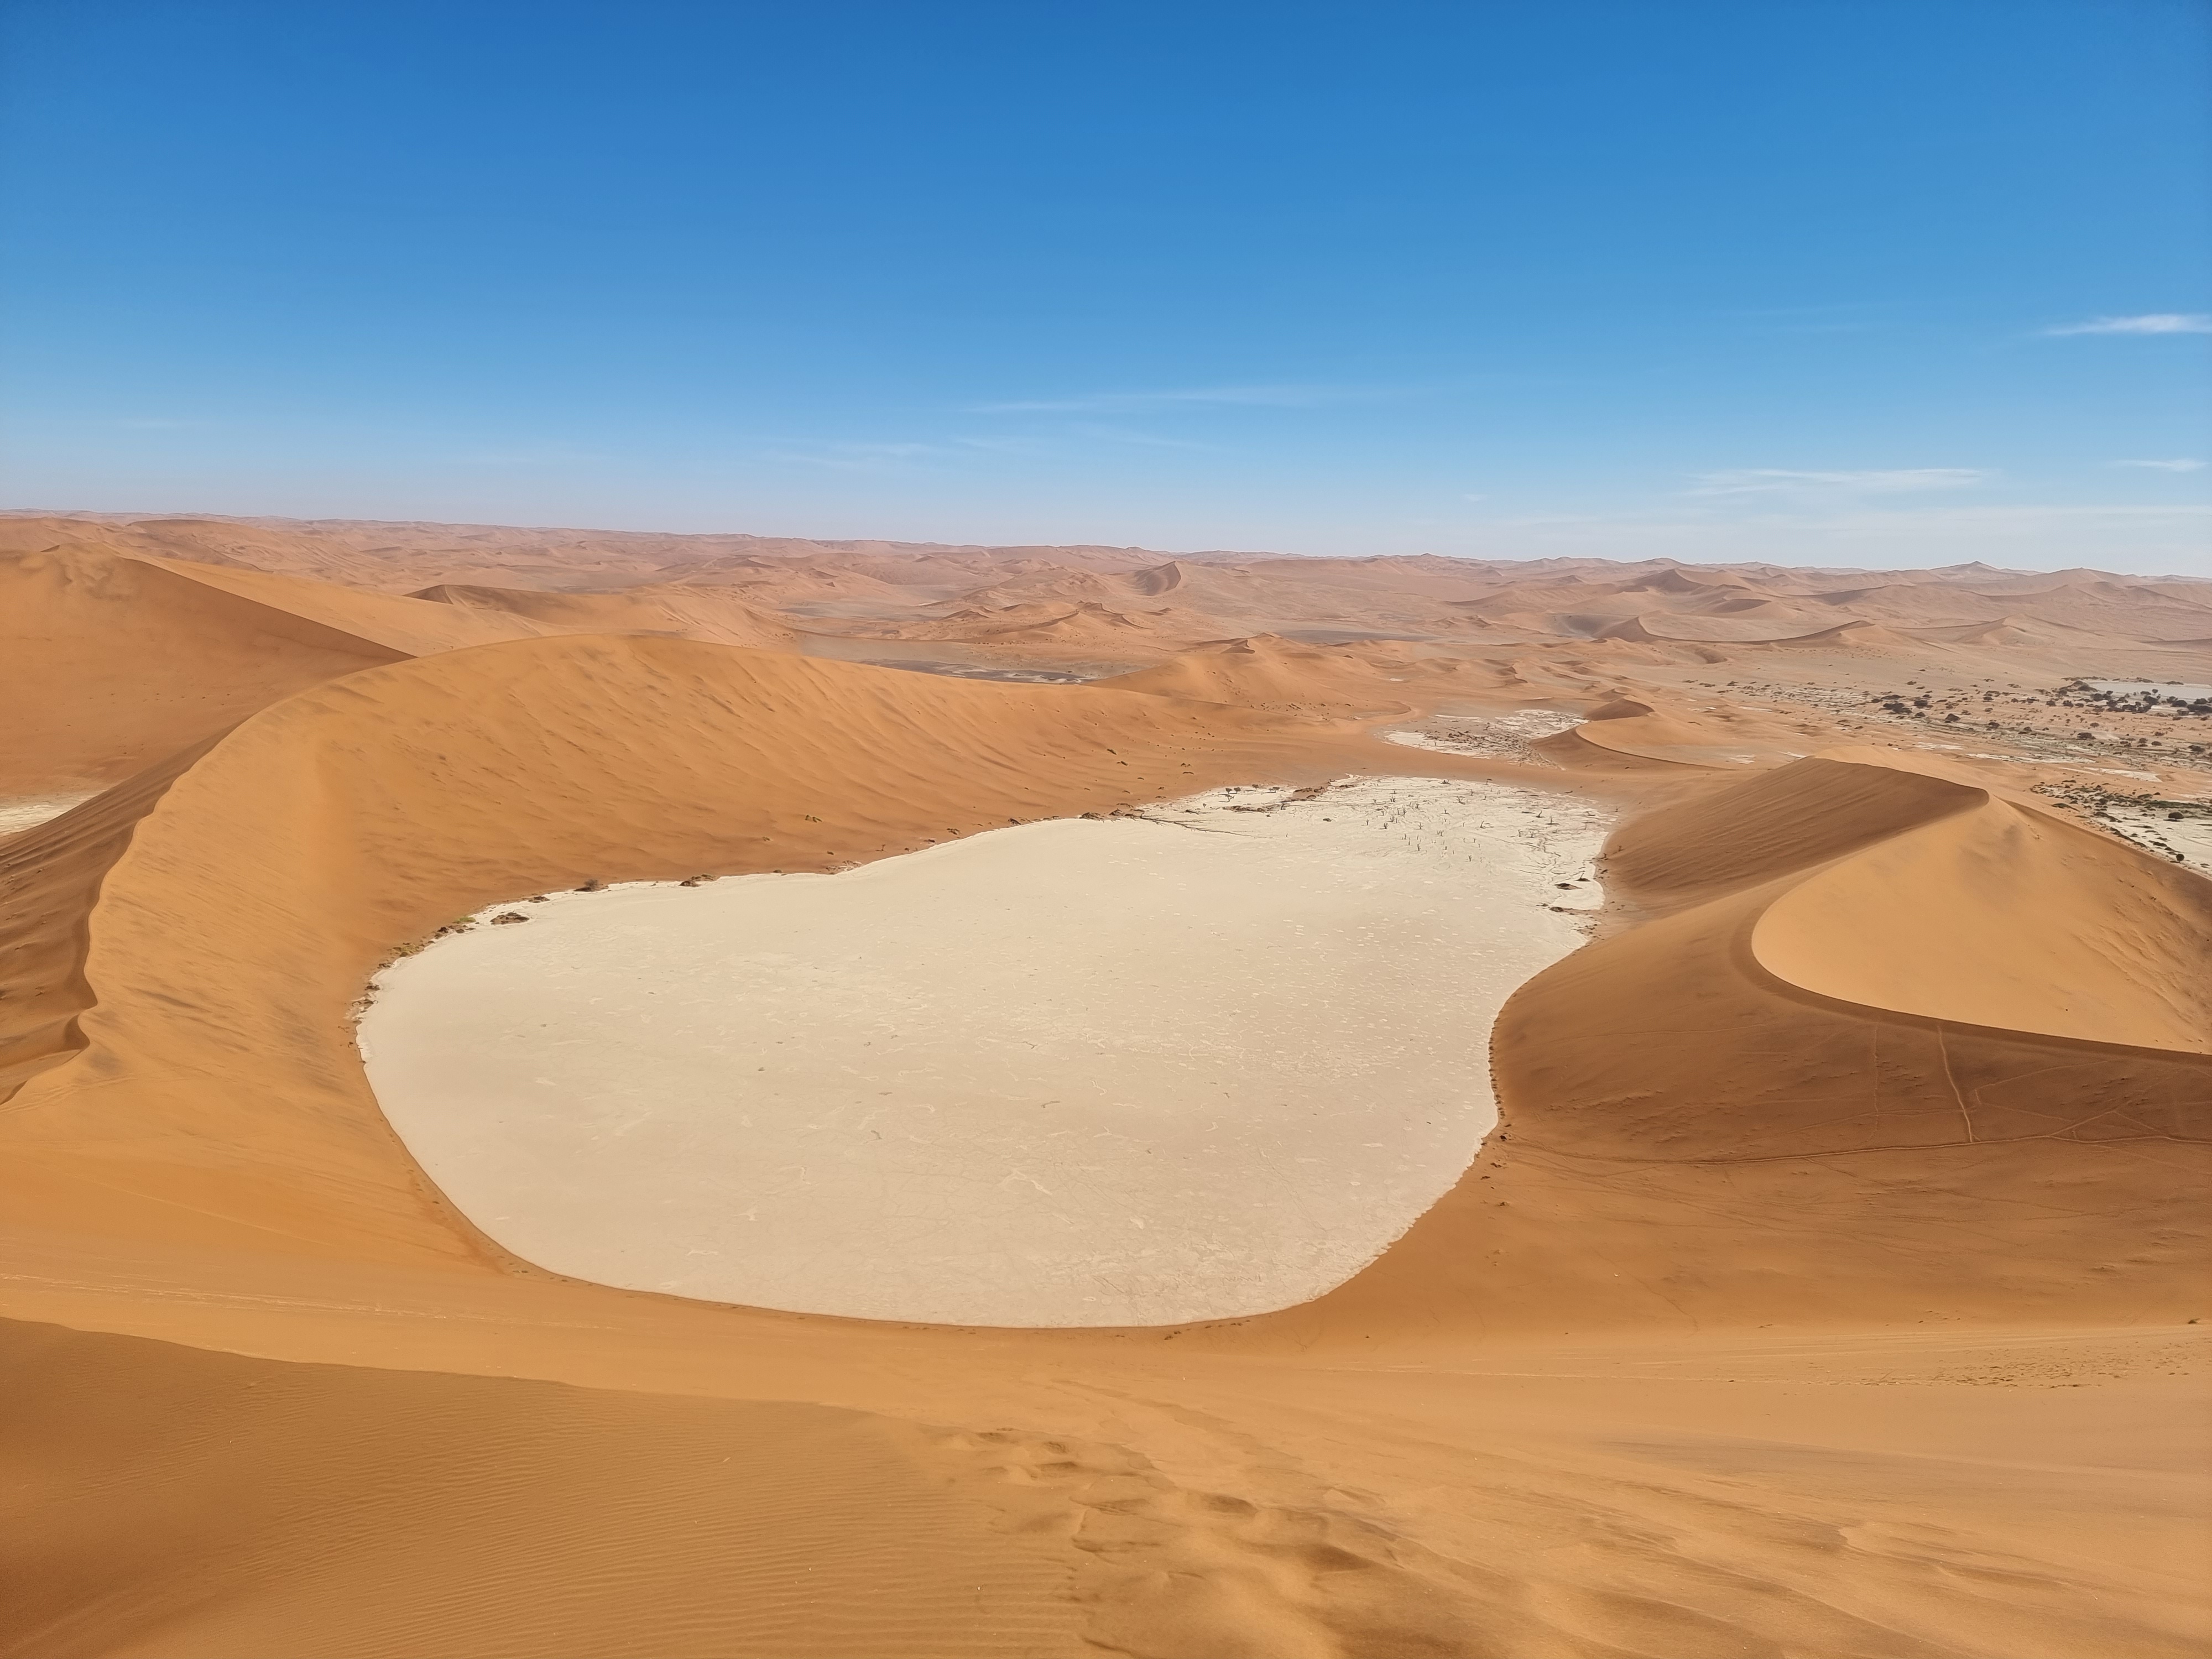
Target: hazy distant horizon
920, 544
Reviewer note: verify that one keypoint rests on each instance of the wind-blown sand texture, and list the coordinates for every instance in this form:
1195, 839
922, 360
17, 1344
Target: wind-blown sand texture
1197, 1063
1827, 1287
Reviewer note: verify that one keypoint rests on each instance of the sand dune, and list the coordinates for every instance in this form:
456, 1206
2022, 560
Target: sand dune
1864, 1147
1776, 823
129, 661
49, 881
1239, 593
690, 613
1711, 627
1083, 628
253, 1507
1859, 635
1826, 1288
1624, 726
2005, 917
404, 625
1267, 671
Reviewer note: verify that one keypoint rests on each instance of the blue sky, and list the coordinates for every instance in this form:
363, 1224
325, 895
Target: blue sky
1860, 283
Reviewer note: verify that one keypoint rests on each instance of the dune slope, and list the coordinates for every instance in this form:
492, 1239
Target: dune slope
1812, 1156
1712, 1122
694, 613
126, 661
244, 1506
2006, 917
49, 880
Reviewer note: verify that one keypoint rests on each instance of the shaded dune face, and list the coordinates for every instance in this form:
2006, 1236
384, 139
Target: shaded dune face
696, 613
49, 880
1270, 671
256, 1507
1808, 1156
1920, 894
2006, 919
1623, 728
151, 661
1776, 823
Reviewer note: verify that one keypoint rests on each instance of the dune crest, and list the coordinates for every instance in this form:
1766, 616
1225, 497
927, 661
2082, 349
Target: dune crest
693, 613
1840, 1155
153, 660
2001, 916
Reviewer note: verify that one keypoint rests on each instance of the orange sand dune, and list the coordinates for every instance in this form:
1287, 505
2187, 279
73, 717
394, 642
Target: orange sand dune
129, 661
2102, 605
2002, 916
1624, 726
1083, 626
1811, 1157
402, 557
48, 885
201, 645
813, 582
1863, 635
1056, 584
293, 548
1773, 823
1240, 593
1702, 627
406, 624
692, 613
156, 652
1266, 671
2003, 631
1825, 1290
302, 1493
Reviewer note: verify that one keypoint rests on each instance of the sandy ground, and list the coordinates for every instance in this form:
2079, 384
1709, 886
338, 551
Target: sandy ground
1200, 1063
1834, 1283
1503, 737
2184, 835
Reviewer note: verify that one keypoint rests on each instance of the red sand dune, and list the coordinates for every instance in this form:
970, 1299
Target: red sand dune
689, 612
1827, 1288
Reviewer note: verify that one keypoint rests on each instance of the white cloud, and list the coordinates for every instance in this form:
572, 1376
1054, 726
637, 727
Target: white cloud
2180, 464
1250, 397
2144, 539
2156, 322
1475, 498
1000, 445
1123, 435
1772, 480
531, 455
854, 457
